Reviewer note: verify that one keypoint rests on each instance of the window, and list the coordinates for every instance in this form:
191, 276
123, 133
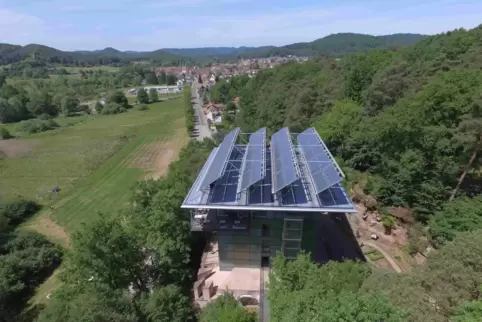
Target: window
265, 230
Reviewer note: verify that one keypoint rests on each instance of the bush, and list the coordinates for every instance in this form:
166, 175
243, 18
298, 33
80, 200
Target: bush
142, 107
37, 126
113, 108
5, 134
44, 117
14, 213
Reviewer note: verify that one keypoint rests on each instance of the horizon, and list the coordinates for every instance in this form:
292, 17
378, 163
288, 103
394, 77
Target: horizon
147, 25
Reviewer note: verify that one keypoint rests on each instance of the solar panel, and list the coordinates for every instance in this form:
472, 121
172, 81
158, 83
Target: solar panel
322, 167
254, 166
221, 158
284, 170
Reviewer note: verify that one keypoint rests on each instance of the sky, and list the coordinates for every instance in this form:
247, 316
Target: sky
143, 25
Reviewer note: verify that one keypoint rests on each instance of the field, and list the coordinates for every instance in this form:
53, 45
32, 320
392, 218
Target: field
94, 162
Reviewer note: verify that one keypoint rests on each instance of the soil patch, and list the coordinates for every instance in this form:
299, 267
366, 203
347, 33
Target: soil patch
44, 225
14, 147
156, 157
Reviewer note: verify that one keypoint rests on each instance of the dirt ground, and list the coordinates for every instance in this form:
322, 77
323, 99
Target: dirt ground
44, 225
156, 157
14, 147
393, 243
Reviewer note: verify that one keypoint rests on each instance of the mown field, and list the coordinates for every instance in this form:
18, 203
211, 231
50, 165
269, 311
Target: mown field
95, 161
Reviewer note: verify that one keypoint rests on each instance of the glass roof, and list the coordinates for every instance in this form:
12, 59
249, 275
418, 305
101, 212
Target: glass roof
299, 176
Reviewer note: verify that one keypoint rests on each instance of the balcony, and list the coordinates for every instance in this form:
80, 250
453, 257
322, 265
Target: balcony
205, 220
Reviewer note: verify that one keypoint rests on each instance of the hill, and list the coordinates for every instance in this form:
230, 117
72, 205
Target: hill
332, 45
109, 56
403, 116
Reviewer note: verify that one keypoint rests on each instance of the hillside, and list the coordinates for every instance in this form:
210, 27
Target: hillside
109, 56
333, 45
406, 118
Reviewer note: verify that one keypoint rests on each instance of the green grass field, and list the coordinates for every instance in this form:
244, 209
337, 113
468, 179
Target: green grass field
95, 162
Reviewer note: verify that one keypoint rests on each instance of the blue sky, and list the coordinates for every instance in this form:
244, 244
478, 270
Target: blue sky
150, 24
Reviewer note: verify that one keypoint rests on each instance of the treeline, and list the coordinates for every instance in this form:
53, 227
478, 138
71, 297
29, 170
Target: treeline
448, 287
13, 54
407, 122
188, 109
26, 259
336, 45
139, 264
44, 98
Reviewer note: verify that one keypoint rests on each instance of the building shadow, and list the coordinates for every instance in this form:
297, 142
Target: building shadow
335, 240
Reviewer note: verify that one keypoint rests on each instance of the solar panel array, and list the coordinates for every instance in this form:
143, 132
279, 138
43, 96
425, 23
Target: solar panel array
254, 166
321, 165
284, 171
221, 158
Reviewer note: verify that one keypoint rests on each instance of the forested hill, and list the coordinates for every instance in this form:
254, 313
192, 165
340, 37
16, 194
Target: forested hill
109, 56
332, 45
407, 121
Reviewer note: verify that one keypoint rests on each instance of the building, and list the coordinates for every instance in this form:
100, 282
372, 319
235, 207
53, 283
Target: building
257, 199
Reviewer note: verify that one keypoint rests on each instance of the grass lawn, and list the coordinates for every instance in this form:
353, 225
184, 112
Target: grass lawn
94, 162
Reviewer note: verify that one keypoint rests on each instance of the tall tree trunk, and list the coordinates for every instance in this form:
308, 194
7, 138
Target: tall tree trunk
462, 177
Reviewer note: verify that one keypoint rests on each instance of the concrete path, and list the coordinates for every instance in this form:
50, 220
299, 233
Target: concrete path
264, 303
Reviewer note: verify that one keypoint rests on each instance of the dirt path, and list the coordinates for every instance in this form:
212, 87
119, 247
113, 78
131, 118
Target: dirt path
393, 263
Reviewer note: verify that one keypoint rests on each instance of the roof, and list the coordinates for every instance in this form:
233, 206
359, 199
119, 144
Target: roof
295, 172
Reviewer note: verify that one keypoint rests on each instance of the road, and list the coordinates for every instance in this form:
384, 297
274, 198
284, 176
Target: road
201, 127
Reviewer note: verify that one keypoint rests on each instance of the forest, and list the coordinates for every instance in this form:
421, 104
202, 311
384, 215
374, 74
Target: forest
406, 126
109, 56
30, 97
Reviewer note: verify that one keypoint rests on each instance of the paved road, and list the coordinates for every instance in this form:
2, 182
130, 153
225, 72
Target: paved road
201, 128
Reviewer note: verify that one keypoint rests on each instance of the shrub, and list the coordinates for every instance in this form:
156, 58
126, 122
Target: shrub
113, 108
142, 107
14, 213
389, 223
44, 117
5, 134
37, 126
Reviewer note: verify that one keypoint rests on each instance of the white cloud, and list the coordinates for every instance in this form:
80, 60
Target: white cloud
16, 27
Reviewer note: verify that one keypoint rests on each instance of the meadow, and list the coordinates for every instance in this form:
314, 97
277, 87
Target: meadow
94, 160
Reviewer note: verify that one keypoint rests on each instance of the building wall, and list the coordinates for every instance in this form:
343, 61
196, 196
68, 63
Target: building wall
244, 248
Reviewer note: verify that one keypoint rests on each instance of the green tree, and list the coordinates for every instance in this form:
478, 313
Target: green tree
142, 96
168, 304
5, 134
41, 103
151, 79
70, 105
461, 215
171, 79
153, 95
162, 79
468, 312
226, 309
118, 97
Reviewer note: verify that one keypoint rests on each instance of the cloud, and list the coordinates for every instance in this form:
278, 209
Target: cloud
16, 26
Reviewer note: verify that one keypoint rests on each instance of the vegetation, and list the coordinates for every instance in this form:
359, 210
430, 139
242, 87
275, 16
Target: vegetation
149, 249
26, 259
226, 308
409, 118
5, 134
142, 96
153, 95
332, 45
352, 292
36, 126
109, 56
188, 109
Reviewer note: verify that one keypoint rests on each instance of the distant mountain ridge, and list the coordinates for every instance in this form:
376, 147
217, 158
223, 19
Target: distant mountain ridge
332, 45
